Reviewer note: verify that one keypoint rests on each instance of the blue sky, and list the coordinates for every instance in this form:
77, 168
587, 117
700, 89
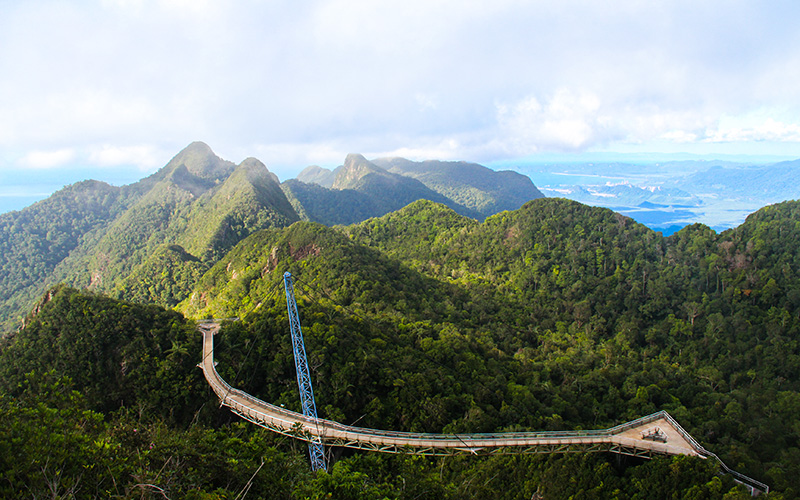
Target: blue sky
112, 89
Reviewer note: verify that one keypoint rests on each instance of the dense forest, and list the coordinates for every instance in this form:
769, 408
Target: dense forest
553, 316
152, 240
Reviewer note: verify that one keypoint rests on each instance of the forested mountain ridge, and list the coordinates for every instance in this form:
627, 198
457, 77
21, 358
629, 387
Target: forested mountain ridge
119, 240
468, 188
35, 240
553, 316
177, 222
472, 185
639, 322
361, 187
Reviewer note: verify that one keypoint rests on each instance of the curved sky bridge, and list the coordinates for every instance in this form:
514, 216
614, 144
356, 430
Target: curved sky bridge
655, 434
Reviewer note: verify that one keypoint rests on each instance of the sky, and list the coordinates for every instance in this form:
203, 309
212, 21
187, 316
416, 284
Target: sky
112, 89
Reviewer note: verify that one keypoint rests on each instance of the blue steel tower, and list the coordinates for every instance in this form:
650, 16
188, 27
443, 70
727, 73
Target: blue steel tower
315, 449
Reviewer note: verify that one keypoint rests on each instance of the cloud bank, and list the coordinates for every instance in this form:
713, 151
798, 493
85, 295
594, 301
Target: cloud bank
127, 83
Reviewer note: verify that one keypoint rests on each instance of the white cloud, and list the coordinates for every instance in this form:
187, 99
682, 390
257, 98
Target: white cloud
48, 159
679, 136
567, 121
312, 81
144, 157
762, 125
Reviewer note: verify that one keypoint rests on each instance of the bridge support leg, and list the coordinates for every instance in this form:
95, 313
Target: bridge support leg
315, 449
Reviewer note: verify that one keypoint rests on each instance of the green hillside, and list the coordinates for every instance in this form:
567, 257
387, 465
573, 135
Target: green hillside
34, 241
554, 316
391, 183
330, 206
113, 239
469, 184
361, 189
103, 399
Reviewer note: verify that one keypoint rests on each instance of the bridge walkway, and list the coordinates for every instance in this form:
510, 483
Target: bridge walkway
655, 434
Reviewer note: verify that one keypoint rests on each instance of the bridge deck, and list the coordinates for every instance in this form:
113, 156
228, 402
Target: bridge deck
656, 434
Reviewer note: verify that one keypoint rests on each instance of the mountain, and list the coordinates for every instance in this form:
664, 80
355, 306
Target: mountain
185, 216
470, 189
553, 316
778, 181
197, 201
36, 240
362, 188
315, 174
469, 184
331, 206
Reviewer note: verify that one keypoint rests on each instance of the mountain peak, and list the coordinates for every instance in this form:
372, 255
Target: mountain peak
256, 168
314, 174
198, 147
354, 169
200, 160
355, 159
252, 163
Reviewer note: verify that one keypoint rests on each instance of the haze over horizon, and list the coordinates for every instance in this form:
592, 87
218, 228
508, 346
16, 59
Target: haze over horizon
112, 89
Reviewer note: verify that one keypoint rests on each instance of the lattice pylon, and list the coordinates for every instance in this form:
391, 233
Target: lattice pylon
315, 449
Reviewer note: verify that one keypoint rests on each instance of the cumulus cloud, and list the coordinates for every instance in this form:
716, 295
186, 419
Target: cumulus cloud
144, 157
48, 159
768, 129
566, 121
308, 82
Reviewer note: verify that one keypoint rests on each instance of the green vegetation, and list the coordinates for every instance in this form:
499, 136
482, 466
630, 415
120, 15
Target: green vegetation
99, 436
330, 206
471, 185
112, 239
184, 217
553, 316
556, 316
35, 241
103, 399
361, 189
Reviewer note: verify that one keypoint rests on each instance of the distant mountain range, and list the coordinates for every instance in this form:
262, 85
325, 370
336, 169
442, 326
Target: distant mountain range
668, 196
181, 220
765, 183
358, 187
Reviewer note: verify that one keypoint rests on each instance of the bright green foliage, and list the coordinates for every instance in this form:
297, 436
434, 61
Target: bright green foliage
116, 354
248, 200
103, 399
92, 235
166, 277
34, 241
112, 239
51, 446
554, 316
